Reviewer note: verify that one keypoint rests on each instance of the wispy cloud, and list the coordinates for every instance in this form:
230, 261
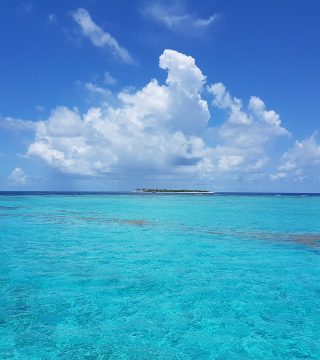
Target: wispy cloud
99, 37
205, 22
176, 18
18, 177
94, 88
16, 124
52, 18
39, 108
25, 8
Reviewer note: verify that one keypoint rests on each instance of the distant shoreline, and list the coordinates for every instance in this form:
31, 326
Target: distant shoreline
133, 192
179, 191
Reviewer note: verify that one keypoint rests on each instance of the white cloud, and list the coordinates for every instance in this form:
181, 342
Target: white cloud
205, 22
161, 129
94, 88
303, 156
109, 79
18, 177
278, 176
100, 38
255, 114
243, 138
154, 130
223, 100
269, 117
176, 18
16, 124
52, 18
164, 15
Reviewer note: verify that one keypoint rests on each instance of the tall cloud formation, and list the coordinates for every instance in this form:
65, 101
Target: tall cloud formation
163, 129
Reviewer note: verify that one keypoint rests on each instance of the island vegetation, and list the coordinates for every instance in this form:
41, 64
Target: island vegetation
156, 190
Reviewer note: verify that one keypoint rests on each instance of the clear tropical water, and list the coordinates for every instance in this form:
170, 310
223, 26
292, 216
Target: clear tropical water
159, 277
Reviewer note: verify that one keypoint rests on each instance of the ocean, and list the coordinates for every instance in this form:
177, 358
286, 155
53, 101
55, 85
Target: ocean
159, 276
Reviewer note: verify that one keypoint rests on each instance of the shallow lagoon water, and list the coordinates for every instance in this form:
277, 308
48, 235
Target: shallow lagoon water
144, 276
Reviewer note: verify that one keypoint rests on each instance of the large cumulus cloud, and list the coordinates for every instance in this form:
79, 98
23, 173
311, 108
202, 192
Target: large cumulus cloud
161, 129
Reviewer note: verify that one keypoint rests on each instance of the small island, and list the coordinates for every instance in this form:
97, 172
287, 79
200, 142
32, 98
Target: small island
147, 190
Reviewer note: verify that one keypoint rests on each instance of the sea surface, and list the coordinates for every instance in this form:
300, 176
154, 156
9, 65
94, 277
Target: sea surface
147, 276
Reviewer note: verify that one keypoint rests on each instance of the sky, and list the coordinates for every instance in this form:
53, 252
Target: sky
113, 95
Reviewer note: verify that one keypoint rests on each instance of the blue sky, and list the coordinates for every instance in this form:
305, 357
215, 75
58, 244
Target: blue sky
232, 104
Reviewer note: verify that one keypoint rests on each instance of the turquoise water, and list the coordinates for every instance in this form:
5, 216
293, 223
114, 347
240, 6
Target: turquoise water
159, 277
